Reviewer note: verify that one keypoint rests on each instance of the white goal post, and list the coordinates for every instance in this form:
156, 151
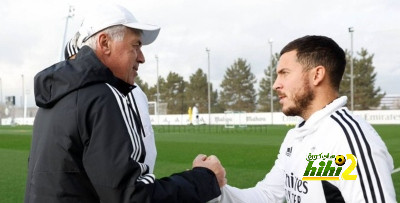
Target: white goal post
152, 107
235, 119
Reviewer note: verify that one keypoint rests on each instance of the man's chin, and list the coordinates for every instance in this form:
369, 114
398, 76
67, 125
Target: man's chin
132, 81
289, 112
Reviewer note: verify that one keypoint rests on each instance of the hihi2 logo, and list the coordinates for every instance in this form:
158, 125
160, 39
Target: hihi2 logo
327, 170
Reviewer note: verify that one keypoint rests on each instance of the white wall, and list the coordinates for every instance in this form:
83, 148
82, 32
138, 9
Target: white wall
373, 117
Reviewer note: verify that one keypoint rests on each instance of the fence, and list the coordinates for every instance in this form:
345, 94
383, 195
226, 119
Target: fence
240, 119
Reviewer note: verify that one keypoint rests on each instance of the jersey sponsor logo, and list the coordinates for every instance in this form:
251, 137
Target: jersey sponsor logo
326, 170
295, 187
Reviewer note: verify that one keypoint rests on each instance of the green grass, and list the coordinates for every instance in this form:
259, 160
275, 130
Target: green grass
15, 143
391, 136
246, 153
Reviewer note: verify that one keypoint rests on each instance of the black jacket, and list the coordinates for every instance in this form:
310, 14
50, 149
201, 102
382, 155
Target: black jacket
86, 146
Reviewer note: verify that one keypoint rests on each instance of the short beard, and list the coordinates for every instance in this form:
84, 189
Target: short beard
302, 101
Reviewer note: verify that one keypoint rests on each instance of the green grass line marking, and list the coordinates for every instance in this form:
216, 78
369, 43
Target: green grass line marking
396, 170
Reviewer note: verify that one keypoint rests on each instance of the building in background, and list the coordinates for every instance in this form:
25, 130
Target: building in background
390, 102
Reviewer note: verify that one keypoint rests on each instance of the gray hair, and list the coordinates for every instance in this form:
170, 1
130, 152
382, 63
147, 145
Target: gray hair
116, 33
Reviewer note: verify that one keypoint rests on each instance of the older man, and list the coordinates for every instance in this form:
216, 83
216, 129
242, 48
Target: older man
88, 142
140, 105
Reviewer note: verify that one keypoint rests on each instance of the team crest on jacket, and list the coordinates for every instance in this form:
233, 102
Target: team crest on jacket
289, 151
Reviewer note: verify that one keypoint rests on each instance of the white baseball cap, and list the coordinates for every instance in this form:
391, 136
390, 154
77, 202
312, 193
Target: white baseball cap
106, 15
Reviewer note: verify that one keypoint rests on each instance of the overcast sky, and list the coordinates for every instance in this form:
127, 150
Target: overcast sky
32, 34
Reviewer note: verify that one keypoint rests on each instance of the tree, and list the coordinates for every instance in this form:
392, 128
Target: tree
152, 91
366, 96
143, 85
216, 106
238, 91
197, 92
264, 93
174, 94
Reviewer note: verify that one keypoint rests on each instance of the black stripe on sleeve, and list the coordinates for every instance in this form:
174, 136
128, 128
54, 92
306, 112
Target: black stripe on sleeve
352, 151
135, 138
361, 155
370, 156
138, 114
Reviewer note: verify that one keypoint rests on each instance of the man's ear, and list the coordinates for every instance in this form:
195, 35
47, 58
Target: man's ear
319, 75
103, 43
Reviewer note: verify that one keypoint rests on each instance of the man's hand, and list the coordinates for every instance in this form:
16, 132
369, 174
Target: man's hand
212, 163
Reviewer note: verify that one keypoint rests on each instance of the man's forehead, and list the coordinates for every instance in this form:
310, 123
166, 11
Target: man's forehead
290, 54
136, 36
287, 60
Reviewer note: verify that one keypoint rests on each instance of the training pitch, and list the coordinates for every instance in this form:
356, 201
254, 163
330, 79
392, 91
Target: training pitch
247, 153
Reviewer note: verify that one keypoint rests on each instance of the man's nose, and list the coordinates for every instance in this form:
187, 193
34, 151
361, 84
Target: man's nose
276, 85
140, 57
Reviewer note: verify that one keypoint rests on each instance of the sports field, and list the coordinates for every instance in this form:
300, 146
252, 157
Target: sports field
246, 153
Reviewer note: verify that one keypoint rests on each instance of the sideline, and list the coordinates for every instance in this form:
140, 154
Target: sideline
396, 170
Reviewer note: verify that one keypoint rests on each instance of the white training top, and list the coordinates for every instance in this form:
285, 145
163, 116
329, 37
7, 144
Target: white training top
332, 130
148, 139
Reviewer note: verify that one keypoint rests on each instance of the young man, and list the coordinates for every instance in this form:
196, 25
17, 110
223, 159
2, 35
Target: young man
309, 167
87, 144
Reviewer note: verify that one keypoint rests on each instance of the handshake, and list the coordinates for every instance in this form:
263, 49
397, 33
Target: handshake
212, 163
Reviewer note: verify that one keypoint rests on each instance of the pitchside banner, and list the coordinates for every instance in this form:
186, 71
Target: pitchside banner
243, 118
239, 119
380, 117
